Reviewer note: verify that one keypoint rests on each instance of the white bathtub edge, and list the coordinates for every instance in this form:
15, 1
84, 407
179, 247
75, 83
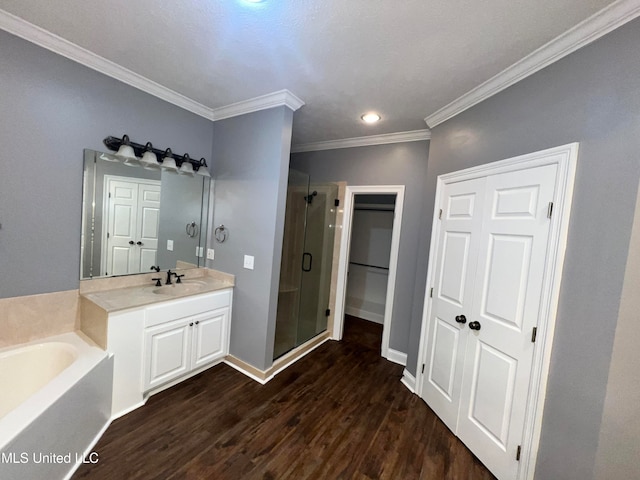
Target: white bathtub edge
89, 449
15, 422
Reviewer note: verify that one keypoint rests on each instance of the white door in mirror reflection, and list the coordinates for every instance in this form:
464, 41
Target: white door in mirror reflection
130, 220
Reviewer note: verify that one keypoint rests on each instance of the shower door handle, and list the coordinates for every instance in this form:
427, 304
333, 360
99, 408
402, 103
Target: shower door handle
304, 255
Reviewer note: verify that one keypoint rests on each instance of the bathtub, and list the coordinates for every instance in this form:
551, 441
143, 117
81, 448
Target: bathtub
55, 402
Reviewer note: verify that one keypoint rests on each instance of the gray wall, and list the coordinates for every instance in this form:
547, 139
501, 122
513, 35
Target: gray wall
593, 97
251, 161
396, 164
618, 446
180, 203
52, 109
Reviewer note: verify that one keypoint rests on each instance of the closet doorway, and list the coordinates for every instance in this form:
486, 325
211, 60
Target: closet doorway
370, 252
355, 298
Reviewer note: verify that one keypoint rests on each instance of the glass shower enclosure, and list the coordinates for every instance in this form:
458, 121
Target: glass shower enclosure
307, 256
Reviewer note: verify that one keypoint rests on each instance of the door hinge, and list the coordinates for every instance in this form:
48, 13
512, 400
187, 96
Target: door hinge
422, 368
440, 215
327, 312
431, 293
533, 334
336, 202
109, 194
549, 209
108, 235
518, 452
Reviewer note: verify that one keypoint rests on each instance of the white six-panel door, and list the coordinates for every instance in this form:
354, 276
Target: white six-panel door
493, 243
506, 303
461, 217
148, 225
132, 224
122, 210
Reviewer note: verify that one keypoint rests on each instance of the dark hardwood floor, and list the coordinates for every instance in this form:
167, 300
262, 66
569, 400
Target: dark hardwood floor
338, 413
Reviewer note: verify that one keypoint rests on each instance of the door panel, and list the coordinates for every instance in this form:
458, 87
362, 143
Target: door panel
455, 259
506, 277
210, 335
508, 284
452, 296
492, 392
120, 260
444, 354
168, 346
122, 210
148, 225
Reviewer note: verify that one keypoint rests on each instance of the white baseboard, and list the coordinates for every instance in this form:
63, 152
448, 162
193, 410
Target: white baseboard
397, 357
246, 372
263, 376
409, 381
364, 314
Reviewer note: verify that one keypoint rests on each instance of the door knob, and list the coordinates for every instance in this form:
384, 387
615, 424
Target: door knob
461, 319
474, 325
131, 242
139, 243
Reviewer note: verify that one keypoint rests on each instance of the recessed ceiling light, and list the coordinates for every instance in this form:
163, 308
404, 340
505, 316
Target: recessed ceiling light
370, 117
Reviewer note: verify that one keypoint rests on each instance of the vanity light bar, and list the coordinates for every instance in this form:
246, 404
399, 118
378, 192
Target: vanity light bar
114, 143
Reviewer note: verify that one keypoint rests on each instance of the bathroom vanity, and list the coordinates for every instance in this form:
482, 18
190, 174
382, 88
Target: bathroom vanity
159, 336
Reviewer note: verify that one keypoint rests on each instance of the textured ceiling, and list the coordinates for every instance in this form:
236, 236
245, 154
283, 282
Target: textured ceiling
403, 58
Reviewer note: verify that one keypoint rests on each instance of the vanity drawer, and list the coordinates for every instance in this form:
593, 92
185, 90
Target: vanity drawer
186, 307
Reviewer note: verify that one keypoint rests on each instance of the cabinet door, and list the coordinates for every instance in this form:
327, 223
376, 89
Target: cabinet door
167, 348
210, 333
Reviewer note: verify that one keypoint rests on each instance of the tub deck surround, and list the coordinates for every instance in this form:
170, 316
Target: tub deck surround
31, 317
66, 358
62, 414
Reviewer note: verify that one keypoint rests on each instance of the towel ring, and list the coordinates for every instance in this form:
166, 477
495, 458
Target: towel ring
192, 229
220, 233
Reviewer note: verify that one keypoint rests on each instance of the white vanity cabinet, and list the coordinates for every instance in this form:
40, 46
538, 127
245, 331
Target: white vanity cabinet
175, 348
162, 344
183, 336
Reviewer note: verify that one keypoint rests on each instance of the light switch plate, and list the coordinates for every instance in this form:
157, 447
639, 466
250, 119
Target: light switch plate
199, 252
210, 254
170, 245
248, 262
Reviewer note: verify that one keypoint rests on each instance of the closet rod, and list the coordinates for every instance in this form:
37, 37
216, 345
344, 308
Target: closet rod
371, 266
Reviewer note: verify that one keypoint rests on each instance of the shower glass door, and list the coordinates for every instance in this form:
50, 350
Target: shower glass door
307, 256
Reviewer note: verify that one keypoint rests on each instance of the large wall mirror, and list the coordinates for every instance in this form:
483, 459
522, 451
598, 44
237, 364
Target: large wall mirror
133, 219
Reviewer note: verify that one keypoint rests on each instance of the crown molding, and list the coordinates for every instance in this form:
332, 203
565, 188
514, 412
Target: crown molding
587, 31
386, 138
45, 39
270, 100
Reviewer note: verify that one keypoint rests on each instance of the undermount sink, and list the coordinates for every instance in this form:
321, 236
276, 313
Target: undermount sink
187, 287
